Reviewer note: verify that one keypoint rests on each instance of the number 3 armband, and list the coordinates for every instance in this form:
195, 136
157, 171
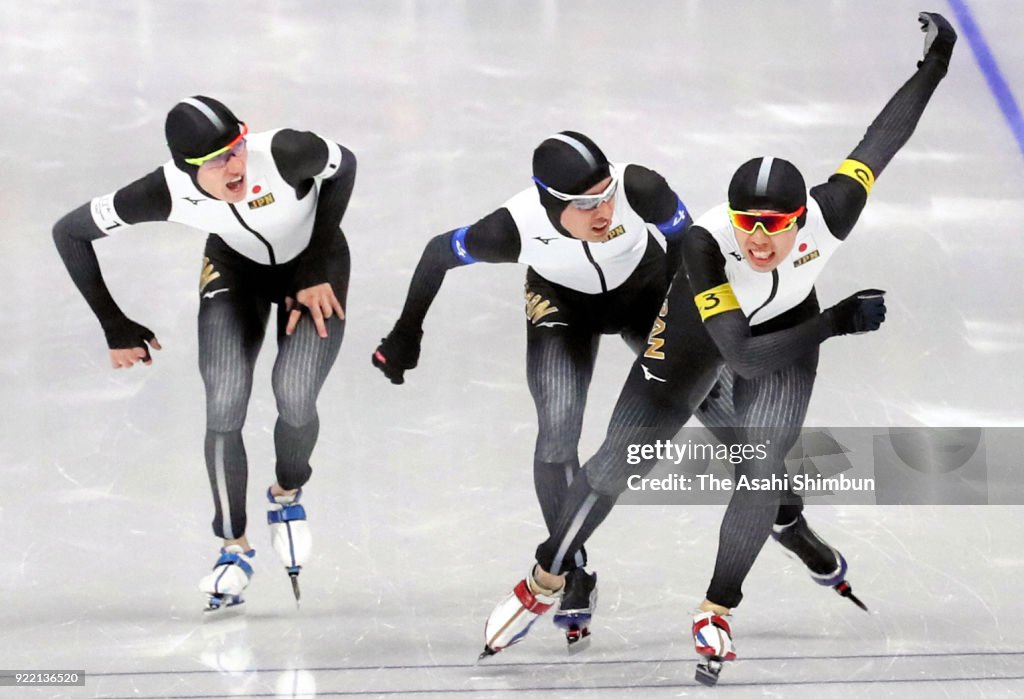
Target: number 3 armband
716, 300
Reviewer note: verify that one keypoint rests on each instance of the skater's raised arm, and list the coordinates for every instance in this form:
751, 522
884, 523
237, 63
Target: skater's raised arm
844, 195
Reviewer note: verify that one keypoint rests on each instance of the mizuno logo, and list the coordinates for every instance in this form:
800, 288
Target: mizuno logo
739, 257
460, 250
550, 324
544, 240
680, 215
193, 202
211, 294
648, 375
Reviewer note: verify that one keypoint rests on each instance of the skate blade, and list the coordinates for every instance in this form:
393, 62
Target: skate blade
295, 587
221, 606
707, 672
845, 590
578, 640
855, 600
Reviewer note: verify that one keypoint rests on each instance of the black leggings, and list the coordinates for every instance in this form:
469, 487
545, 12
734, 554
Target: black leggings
563, 331
767, 410
234, 308
671, 381
668, 381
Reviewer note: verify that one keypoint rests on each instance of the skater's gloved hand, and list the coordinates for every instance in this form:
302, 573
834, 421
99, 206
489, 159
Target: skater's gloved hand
939, 37
129, 343
714, 394
860, 313
397, 352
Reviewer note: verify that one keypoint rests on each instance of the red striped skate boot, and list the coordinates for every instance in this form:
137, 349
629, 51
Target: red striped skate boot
712, 638
511, 620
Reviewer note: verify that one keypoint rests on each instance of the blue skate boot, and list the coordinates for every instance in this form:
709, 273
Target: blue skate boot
230, 576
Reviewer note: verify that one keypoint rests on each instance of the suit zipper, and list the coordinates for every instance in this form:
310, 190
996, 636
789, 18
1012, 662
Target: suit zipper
600, 272
270, 248
771, 296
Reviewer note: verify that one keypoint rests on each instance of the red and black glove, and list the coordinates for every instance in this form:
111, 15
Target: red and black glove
397, 353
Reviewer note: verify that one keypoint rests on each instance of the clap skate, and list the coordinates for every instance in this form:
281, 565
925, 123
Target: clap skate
712, 638
512, 618
231, 574
826, 565
579, 600
289, 534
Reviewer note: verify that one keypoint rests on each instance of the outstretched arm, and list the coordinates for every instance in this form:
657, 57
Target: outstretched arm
494, 238
146, 199
843, 197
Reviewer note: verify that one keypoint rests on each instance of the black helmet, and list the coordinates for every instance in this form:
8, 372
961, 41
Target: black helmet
197, 126
570, 163
767, 183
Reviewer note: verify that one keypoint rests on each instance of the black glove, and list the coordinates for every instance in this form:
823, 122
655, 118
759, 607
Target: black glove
714, 394
397, 352
859, 313
939, 37
126, 334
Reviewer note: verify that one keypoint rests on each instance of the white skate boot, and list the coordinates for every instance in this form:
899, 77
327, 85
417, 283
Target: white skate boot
289, 534
512, 618
230, 576
712, 638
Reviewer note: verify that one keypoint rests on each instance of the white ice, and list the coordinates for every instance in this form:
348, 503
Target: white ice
422, 502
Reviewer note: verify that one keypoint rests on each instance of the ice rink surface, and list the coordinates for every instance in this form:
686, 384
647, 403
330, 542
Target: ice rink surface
421, 500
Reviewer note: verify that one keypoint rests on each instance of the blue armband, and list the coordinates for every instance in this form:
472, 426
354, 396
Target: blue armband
459, 246
680, 220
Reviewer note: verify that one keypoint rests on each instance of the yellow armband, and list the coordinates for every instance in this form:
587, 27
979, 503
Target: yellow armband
717, 300
858, 171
